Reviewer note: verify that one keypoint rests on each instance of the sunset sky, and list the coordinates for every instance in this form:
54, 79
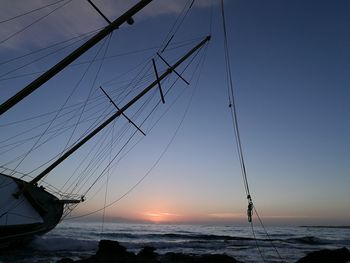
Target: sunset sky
291, 74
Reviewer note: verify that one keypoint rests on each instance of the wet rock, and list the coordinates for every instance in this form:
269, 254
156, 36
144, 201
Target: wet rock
112, 252
110, 248
65, 260
176, 257
147, 252
341, 255
216, 259
188, 258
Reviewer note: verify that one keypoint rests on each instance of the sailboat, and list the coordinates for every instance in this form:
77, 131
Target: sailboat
28, 207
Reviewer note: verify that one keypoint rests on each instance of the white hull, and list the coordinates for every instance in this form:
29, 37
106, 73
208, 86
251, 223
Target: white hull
34, 212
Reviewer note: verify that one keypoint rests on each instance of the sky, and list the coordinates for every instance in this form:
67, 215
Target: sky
290, 70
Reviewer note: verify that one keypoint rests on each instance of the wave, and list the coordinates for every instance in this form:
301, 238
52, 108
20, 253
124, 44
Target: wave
309, 240
206, 237
175, 236
336, 227
61, 243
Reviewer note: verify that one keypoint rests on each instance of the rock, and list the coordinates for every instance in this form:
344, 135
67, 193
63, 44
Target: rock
216, 259
112, 252
176, 258
110, 248
147, 252
341, 255
185, 258
65, 260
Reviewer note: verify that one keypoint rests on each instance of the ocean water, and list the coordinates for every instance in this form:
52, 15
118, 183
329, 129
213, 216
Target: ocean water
77, 239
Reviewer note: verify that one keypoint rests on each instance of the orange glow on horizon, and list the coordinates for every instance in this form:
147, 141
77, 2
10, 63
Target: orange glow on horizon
158, 217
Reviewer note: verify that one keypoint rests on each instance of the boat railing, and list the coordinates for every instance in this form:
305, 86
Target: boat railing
62, 196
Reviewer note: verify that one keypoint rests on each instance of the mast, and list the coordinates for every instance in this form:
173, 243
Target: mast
126, 17
118, 113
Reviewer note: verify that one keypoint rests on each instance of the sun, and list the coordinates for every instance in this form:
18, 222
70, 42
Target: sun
159, 217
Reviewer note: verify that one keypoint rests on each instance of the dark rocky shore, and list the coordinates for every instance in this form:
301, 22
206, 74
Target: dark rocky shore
112, 252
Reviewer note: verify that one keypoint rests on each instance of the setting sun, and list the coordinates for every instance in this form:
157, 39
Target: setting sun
158, 217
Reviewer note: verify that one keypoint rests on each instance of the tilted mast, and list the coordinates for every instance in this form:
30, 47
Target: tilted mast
126, 17
119, 112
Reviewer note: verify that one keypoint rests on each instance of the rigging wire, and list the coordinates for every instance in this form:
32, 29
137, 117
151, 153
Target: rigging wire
127, 142
141, 124
233, 110
92, 166
107, 180
232, 105
56, 130
199, 66
122, 133
35, 21
268, 235
29, 12
163, 152
47, 185
192, 59
50, 46
168, 43
46, 122
56, 115
36, 60
90, 92
84, 36
256, 241
176, 25
101, 97
192, 3
34, 146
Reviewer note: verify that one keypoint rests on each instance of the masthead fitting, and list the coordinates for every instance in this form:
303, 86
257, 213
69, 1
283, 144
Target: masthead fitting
130, 21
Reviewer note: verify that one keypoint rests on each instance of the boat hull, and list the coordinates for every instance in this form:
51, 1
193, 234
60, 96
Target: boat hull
34, 212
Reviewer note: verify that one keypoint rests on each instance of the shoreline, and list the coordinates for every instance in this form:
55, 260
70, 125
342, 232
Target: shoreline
112, 252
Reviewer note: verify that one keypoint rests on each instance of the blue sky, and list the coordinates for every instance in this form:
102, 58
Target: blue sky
290, 63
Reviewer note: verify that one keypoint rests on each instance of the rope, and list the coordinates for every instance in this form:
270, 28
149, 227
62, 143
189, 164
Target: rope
107, 180
176, 25
268, 236
34, 146
29, 12
233, 110
50, 46
35, 21
200, 65
88, 98
256, 242
38, 59
92, 86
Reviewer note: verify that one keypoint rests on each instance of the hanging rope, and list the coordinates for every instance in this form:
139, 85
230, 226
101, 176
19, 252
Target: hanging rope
233, 110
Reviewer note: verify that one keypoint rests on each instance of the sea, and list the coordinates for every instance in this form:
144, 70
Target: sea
282, 244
